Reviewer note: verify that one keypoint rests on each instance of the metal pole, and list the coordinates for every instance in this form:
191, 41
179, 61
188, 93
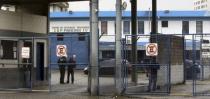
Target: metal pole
118, 70
134, 39
94, 64
154, 17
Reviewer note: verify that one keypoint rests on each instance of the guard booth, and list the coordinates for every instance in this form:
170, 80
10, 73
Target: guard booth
165, 56
23, 44
24, 63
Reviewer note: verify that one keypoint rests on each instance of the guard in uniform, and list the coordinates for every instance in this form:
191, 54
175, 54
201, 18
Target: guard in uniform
62, 63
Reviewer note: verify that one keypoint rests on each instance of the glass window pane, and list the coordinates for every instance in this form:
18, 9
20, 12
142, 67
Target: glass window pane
8, 49
140, 27
126, 27
164, 23
199, 27
103, 27
185, 27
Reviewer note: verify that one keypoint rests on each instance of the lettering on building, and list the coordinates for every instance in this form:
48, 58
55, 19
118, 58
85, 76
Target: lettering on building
71, 29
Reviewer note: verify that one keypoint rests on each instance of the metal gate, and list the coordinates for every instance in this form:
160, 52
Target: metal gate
201, 64
184, 65
152, 73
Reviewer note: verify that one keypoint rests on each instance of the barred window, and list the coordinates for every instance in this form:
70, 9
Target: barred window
126, 27
140, 27
185, 27
199, 27
104, 27
81, 37
164, 23
8, 49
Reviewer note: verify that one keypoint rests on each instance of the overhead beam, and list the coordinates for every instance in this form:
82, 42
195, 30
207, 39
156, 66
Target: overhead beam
14, 2
51, 1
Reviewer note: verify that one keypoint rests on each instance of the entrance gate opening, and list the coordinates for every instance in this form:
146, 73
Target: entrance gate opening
69, 45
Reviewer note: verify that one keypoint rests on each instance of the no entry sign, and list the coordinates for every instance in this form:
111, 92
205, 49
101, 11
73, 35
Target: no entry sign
61, 50
151, 49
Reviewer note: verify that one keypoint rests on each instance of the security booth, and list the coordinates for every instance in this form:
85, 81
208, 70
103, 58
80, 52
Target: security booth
23, 44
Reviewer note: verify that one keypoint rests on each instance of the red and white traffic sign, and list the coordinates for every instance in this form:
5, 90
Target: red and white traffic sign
151, 49
61, 50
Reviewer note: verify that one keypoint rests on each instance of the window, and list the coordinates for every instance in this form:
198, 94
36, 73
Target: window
59, 37
7, 7
185, 27
199, 27
140, 27
8, 49
126, 27
108, 54
104, 27
81, 37
164, 23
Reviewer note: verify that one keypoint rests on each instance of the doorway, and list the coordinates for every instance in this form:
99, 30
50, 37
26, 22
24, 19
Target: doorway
40, 61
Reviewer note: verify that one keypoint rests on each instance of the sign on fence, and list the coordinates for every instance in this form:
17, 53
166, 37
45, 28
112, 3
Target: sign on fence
151, 49
61, 50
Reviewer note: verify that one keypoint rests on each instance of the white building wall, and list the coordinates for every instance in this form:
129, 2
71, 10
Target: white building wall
174, 26
51, 8
111, 28
192, 27
23, 22
111, 32
56, 9
206, 26
147, 27
71, 24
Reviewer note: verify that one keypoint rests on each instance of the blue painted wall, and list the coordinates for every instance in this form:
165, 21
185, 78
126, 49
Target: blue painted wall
74, 46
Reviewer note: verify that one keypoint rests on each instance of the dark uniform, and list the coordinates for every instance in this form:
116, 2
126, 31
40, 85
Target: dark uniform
71, 67
61, 62
153, 76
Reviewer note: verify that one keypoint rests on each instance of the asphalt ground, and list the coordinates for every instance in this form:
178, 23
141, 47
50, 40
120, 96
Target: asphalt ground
78, 90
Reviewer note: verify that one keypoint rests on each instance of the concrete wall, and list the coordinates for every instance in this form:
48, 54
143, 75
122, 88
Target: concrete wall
23, 22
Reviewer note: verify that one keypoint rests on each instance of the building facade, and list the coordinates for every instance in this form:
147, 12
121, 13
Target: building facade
59, 7
169, 22
202, 5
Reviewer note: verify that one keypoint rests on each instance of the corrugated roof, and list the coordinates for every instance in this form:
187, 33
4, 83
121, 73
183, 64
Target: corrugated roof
85, 14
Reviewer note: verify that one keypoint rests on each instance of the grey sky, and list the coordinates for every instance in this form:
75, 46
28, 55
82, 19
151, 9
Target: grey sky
109, 5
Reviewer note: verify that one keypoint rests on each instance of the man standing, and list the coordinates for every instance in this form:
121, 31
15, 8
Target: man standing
72, 65
153, 70
61, 63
